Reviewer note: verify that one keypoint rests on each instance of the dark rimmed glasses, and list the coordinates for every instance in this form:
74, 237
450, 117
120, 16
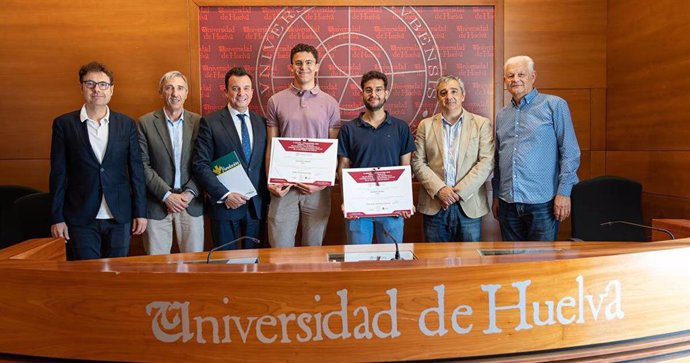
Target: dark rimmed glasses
101, 85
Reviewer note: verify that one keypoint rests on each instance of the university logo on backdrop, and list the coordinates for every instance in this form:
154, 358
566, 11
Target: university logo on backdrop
413, 46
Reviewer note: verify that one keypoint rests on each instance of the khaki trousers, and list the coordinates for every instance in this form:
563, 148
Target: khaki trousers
189, 232
285, 213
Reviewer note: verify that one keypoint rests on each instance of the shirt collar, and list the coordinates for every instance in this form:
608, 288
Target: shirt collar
297, 91
234, 112
459, 121
167, 117
83, 116
527, 99
361, 123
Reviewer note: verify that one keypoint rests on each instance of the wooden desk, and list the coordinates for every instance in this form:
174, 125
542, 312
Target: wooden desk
457, 300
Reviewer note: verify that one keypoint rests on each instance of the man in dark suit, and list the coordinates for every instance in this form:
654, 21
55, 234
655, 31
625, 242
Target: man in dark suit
96, 174
167, 138
233, 128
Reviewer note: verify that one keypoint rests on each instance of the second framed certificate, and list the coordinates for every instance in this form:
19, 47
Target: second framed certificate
306, 161
377, 192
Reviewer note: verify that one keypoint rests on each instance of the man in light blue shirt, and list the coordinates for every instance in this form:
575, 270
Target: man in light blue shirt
174, 201
536, 161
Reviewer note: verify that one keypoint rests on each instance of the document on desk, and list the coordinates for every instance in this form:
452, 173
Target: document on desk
306, 161
377, 192
229, 171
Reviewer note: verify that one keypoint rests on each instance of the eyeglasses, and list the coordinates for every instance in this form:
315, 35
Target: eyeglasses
377, 91
101, 85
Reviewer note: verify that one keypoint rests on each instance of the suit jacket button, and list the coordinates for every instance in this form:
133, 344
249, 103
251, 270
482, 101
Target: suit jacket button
102, 170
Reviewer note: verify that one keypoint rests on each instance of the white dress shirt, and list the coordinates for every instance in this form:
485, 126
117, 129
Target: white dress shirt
98, 137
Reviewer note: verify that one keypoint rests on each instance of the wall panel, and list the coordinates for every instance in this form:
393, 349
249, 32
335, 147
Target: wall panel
44, 43
567, 40
665, 207
597, 163
648, 75
598, 119
660, 172
30, 173
647, 133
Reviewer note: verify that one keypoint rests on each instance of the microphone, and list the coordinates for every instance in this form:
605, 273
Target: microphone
610, 223
300, 93
256, 241
397, 249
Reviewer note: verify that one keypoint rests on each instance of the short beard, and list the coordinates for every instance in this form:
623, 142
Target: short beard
374, 109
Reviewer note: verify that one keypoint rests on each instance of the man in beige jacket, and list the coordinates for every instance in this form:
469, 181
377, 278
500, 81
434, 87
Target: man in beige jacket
454, 157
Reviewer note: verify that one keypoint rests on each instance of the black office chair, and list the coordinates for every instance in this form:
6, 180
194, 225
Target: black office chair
9, 230
33, 212
607, 199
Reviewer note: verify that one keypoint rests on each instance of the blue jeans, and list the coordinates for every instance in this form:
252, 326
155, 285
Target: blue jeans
452, 225
360, 231
527, 222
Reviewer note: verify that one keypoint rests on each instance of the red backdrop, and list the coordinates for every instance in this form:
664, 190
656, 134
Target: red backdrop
413, 46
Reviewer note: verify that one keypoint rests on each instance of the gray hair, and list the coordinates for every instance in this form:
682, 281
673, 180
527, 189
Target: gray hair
170, 75
447, 78
520, 59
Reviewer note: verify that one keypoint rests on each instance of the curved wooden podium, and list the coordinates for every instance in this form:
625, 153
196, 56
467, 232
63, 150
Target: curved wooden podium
486, 301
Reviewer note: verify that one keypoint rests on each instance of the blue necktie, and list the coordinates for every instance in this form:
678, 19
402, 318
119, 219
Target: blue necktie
246, 144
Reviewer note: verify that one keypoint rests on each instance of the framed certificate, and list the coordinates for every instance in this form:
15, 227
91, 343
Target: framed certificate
306, 161
377, 192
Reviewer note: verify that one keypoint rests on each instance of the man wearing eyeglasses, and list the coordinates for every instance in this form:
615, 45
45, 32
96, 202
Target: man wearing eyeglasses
374, 139
167, 137
96, 174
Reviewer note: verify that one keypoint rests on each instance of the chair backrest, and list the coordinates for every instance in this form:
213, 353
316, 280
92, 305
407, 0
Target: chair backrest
604, 199
9, 231
33, 212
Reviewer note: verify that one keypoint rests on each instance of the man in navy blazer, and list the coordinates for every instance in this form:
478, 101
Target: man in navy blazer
233, 128
96, 174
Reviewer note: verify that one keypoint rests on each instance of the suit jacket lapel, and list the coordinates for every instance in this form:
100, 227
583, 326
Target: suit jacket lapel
113, 129
83, 132
187, 130
466, 129
438, 133
164, 133
228, 124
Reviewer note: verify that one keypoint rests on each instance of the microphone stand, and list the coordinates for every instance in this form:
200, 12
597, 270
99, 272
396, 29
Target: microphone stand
641, 226
397, 249
256, 241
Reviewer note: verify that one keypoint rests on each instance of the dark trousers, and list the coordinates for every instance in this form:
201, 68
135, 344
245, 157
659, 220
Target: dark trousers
225, 231
527, 222
100, 239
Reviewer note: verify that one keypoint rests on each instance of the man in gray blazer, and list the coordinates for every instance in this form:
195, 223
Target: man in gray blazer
167, 138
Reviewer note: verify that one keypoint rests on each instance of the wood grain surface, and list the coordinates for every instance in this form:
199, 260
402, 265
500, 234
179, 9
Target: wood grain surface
452, 301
